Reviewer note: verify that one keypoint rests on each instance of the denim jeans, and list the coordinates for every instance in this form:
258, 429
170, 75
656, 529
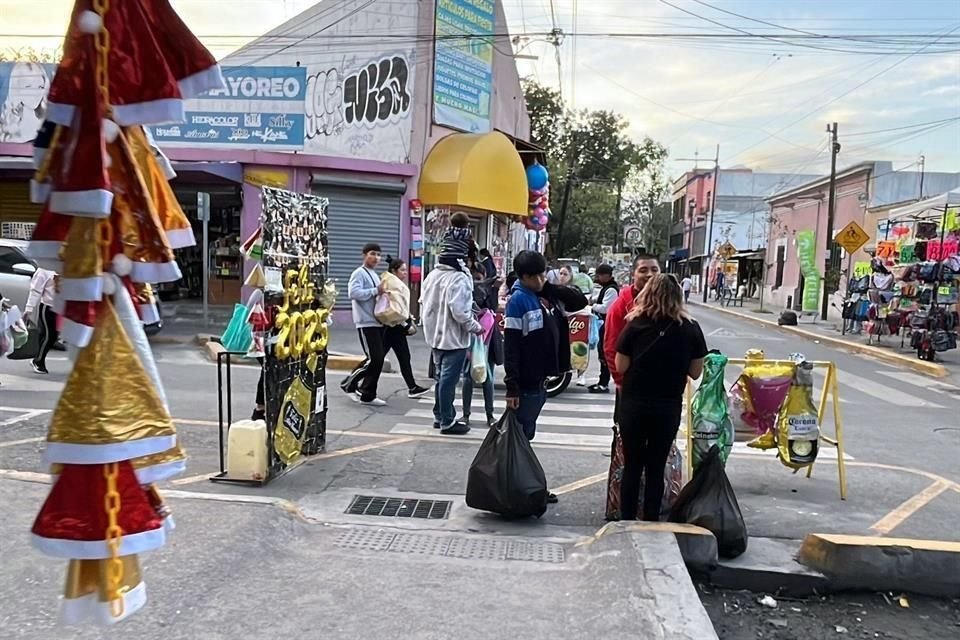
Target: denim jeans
449, 369
531, 403
468, 391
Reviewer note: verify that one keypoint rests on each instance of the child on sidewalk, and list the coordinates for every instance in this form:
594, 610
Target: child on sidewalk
458, 250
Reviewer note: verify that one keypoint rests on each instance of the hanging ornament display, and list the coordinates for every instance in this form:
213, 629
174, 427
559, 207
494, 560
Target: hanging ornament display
538, 181
109, 223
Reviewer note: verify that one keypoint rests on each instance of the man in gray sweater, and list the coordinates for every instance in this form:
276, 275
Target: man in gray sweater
446, 306
363, 289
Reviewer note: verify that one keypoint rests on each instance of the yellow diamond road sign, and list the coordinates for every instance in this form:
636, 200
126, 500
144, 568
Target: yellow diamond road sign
852, 237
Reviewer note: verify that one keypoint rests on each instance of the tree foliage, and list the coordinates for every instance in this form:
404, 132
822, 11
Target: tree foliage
593, 150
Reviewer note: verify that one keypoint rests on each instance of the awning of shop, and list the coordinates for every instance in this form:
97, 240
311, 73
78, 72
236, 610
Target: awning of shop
478, 171
927, 209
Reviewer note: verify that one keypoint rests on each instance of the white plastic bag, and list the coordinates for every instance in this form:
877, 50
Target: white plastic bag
478, 361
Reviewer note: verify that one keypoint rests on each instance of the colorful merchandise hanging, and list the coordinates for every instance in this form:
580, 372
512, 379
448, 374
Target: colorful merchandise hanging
108, 226
538, 181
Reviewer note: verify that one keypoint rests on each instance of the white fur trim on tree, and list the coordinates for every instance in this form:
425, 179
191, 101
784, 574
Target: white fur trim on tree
110, 130
71, 453
94, 203
130, 544
155, 272
89, 22
90, 610
121, 265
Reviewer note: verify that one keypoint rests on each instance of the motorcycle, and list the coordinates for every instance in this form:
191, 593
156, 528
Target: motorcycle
579, 327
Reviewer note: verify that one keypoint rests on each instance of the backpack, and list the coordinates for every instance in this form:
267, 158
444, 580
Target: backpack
787, 318
929, 272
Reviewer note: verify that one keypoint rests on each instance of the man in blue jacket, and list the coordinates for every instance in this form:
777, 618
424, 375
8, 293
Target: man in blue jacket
363, 289
536, 338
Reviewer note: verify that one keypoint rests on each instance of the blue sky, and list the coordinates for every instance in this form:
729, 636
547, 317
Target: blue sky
766, 103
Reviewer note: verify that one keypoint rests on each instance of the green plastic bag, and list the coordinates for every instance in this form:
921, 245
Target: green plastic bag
238, 336
711, 417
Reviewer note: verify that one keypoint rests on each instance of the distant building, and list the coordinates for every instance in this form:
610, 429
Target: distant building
865, 193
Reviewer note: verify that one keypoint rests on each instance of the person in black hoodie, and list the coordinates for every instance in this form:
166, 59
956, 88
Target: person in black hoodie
536, 337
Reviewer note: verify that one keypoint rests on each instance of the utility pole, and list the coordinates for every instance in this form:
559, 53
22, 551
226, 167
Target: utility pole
923, 162
708, 250
617, 226
833, 258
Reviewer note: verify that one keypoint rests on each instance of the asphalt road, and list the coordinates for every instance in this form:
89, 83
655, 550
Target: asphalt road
902, 435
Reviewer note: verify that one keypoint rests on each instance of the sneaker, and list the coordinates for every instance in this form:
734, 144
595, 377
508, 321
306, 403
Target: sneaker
581, 382
39, 369
491, 421
552, 498
436, 425
376, 402
456, 429
417, 392
258, 414
599, 388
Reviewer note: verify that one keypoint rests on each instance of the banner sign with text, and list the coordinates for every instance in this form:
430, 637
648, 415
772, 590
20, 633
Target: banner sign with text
807, 256
463, 69
260, 108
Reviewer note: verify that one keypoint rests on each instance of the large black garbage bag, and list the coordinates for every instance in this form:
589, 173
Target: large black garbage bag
505, 477
708, 501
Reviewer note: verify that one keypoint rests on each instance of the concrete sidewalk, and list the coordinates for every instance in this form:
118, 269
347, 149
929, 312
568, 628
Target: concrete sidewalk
238, 570
829, 332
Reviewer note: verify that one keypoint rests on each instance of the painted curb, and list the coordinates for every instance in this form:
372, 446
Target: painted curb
697, 546
335, 362
927, 567
927, 368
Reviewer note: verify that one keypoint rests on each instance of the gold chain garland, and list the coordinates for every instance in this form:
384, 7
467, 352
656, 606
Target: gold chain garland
111, 500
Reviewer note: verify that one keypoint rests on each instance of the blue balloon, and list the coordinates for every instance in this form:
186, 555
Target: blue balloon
537, 176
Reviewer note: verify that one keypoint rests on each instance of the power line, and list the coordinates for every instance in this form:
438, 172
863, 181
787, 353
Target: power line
908, 126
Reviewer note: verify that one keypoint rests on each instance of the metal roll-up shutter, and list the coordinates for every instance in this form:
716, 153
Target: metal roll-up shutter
15, 205
356, 216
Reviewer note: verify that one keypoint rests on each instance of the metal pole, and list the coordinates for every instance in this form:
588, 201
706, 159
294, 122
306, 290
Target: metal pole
832, 257
849, 276
203, 212
708, 250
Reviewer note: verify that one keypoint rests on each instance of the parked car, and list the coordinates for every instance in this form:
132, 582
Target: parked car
16, 271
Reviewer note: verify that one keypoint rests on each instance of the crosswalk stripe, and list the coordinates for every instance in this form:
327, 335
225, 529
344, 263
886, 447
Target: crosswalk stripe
555, 421
477, 405
883, 392
543, 437
937, 386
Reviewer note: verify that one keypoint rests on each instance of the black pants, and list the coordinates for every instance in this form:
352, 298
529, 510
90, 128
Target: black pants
47, 319
647, 438
395, 339
604, 367
260, 390
366, 376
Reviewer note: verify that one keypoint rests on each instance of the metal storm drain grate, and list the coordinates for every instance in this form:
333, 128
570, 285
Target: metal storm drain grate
399, 507
463, 547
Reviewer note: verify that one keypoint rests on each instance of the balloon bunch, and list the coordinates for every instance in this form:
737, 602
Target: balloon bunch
538, 181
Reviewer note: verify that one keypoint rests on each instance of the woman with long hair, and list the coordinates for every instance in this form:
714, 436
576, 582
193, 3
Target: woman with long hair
395, 337
659, 349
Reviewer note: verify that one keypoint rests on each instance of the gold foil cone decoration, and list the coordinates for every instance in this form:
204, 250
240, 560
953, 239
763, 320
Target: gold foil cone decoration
85, 595
255, 278
79, 254
110, 400
172, 218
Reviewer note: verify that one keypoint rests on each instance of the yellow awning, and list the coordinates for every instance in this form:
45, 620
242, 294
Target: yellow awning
479, 171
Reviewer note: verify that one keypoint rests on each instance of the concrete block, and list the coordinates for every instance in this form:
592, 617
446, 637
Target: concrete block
769, 566
927, 567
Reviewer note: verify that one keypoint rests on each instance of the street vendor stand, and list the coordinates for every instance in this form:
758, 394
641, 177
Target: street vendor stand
288, 335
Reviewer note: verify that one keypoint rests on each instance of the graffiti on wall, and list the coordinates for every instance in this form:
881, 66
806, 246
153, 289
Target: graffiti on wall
377, 93
360, 108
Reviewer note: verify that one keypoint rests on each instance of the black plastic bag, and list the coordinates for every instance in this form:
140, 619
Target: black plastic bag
505, 476
708, 501
31, 348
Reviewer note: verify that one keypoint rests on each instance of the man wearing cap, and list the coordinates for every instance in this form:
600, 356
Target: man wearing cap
608, 293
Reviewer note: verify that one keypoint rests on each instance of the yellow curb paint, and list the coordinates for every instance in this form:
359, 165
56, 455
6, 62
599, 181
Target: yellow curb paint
580, 484
898, 516
13, 443
840, 540
928, 368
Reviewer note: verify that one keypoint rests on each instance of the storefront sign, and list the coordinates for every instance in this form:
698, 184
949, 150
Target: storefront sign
266, 178
260, 108
463, 69
294, 245
807, 255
